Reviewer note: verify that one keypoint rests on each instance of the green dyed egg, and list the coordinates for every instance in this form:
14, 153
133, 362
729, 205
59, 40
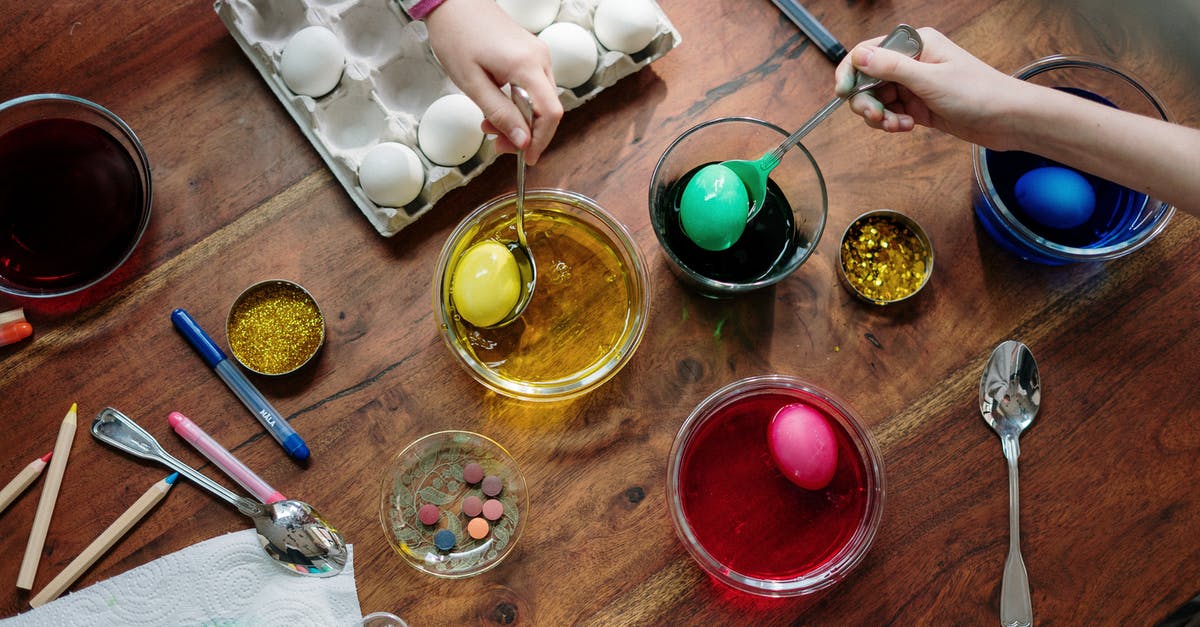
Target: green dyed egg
714, 207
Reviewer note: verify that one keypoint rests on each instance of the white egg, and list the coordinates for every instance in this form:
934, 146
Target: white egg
533, 15
391, 174
625, 25
449, 131
573, 54
312, 61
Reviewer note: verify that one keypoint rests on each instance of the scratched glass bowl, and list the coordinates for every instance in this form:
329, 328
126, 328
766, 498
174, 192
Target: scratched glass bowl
430, 472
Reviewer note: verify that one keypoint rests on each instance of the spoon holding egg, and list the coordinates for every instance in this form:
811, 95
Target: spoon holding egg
493, 281
721, 198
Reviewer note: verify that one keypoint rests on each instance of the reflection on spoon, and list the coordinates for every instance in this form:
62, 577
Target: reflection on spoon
1010, 393
291, 532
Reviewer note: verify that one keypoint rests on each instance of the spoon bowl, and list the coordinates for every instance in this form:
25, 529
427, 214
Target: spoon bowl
520, 248
294, 534
700, 206
1010, 393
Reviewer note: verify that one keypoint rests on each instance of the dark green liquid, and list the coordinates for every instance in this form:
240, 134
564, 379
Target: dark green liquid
770, 240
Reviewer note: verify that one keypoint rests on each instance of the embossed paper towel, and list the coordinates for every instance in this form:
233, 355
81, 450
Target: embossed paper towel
227, 580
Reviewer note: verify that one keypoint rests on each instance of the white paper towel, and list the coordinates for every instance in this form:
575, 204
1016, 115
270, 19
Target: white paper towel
225, 581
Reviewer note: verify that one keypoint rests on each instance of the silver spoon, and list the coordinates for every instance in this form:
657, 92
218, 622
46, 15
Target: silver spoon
753, 173
291, 532
520, 248
1010, 393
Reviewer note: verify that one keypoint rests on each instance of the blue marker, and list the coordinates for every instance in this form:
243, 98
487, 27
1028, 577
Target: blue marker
242, 388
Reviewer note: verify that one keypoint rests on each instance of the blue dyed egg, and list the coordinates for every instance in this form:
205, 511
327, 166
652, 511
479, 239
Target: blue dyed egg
714, 207
1059, 198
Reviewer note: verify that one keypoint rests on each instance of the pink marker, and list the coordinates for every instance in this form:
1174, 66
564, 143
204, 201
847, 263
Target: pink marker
223, 459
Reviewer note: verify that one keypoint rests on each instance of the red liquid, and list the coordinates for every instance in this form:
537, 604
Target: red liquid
70, 204
747, 515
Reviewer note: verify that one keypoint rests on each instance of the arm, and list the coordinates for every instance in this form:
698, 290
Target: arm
952, 91
482, 49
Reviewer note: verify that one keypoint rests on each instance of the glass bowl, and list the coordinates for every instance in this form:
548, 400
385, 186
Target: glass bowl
430, 472
75, 194
1123, 221
742, 520
588, 311
774, 244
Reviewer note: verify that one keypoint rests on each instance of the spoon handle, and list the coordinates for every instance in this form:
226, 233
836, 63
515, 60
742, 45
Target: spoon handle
903, 39
1016, 609
520, 97
119, 431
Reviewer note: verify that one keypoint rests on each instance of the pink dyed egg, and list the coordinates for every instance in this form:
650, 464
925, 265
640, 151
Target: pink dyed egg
803, 446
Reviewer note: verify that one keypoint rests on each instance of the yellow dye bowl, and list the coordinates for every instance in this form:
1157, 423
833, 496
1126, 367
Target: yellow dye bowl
589, 308
275, 327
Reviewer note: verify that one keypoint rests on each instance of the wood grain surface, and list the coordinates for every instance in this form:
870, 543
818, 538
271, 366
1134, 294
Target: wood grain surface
1108, 516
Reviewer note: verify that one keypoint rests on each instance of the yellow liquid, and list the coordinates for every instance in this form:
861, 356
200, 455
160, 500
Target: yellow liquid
584, 307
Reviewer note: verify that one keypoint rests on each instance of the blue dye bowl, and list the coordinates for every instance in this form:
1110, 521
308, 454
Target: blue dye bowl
1123, 221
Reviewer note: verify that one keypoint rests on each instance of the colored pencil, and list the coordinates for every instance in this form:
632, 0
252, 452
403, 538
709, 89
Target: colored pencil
45, 508
22, 480
104, 541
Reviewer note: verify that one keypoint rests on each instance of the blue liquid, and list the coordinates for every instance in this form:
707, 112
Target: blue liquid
1116, 217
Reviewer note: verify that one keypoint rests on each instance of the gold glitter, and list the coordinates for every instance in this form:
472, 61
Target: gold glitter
275, 327
883, 259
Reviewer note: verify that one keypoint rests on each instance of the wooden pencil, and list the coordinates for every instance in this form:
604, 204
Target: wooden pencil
45, 508
104, 541
23, 480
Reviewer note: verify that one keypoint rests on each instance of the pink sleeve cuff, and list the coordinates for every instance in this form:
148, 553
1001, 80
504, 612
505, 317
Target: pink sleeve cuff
420, 9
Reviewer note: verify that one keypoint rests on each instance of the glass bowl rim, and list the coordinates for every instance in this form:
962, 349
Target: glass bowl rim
638, 319
1036, 242
142, 163
449, 433
724, 287
856, 547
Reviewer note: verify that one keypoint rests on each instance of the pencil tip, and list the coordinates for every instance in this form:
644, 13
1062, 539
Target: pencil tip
172, 478
74, 407
45, 458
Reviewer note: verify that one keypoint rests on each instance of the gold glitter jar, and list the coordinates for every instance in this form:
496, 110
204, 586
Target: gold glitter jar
885, 257
275, 327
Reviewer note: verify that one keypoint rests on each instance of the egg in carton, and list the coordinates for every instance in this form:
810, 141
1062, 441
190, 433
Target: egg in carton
364, 113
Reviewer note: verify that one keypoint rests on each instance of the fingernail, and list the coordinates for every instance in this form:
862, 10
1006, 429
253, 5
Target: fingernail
862, 56
519, 137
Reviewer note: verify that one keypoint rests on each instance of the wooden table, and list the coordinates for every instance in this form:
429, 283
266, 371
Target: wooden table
1108, 518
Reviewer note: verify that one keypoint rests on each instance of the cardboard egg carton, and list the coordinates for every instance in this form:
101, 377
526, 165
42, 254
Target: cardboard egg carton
391, 76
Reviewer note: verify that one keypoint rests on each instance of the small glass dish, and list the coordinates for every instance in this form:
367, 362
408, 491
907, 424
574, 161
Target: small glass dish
588, 311
885, 257
1123, 220
775, 243
743, 521
75, 194
430, 472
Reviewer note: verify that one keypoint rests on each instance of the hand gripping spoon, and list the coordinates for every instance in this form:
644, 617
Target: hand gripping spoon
713, 211
291, 532
1010, 393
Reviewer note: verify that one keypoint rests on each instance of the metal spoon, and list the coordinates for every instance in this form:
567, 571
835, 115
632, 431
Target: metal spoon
753, 173
291, 532
1010, 393
520, 248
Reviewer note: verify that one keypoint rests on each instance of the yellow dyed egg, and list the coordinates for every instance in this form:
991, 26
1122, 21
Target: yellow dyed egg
486, 284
